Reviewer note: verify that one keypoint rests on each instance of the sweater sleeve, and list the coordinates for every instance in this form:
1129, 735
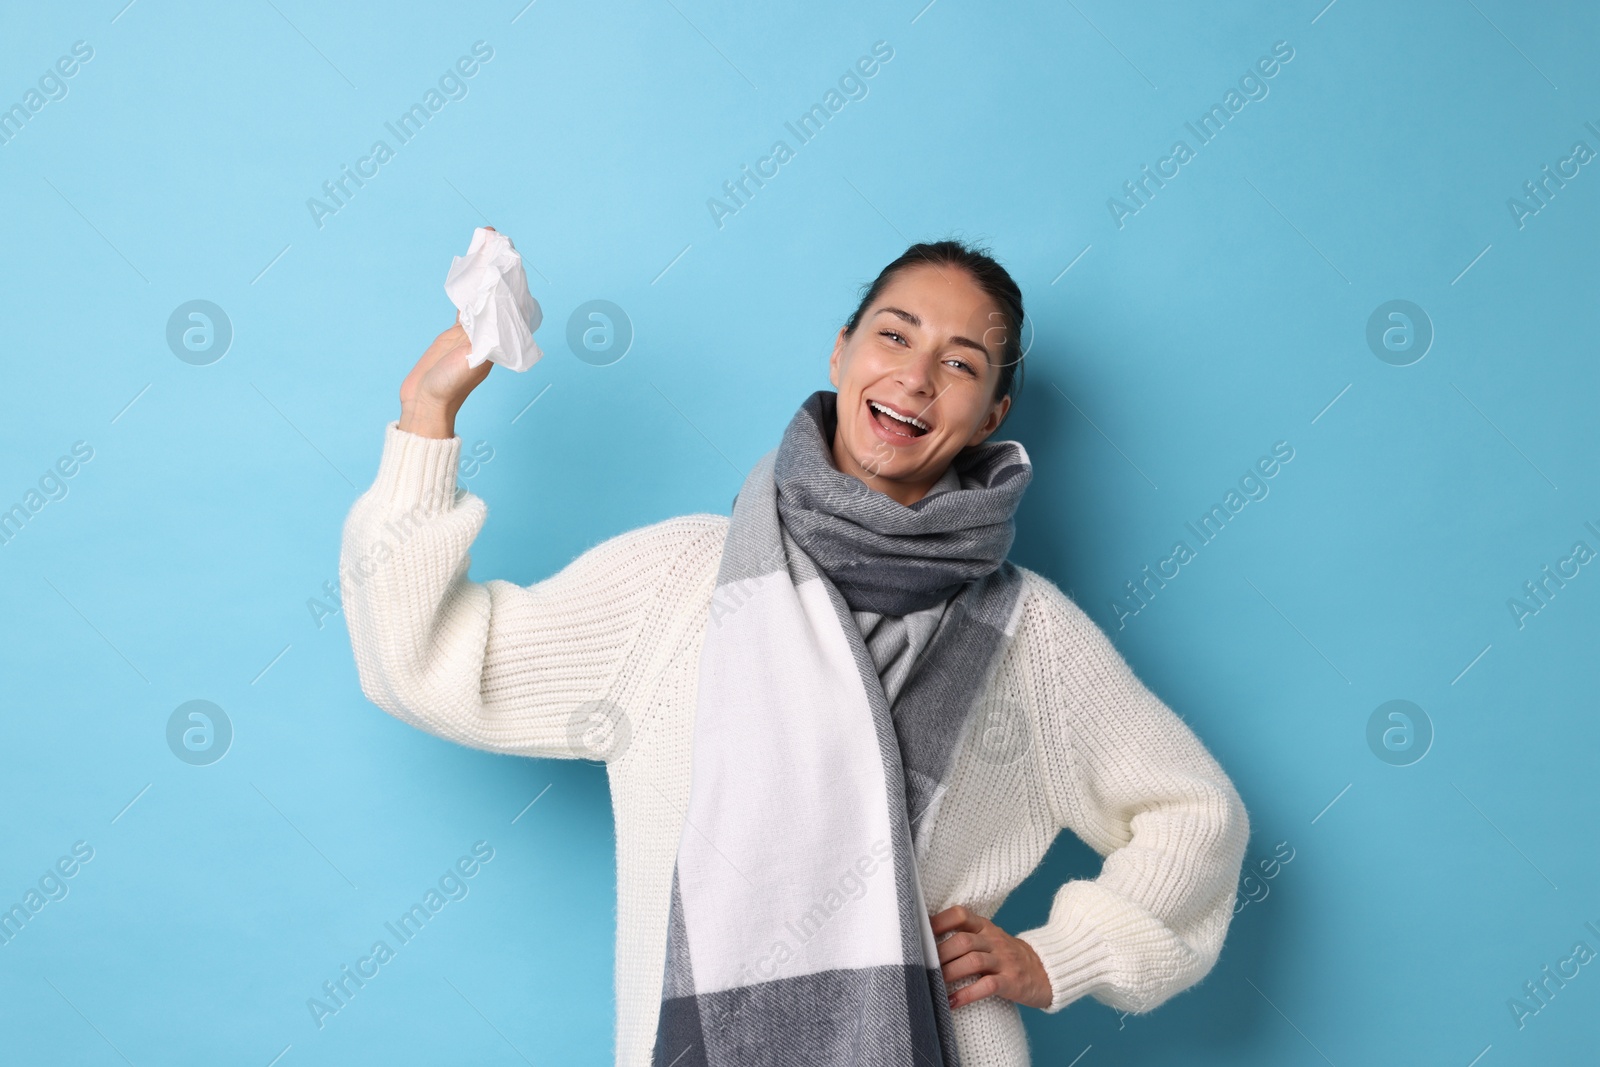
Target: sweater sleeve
497, 666
1125, 774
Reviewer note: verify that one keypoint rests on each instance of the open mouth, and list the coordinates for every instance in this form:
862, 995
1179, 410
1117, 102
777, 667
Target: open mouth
897, 422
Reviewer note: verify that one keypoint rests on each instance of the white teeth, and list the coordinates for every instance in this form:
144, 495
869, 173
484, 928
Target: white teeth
903, 418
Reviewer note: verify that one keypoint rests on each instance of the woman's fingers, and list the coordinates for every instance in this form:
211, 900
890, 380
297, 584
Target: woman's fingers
441, 379
436, 348
989, 985
453, 338
1007, 966
969, 963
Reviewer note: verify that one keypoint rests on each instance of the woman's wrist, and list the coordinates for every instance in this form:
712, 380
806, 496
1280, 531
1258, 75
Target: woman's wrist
426, 420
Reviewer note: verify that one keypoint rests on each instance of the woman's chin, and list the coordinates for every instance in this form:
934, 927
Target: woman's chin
881, 469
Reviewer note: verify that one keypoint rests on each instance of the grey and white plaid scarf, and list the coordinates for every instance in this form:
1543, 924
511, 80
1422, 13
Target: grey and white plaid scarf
798, 932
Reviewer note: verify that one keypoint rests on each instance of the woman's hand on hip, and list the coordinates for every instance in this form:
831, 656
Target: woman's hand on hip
439, 384
1009, 966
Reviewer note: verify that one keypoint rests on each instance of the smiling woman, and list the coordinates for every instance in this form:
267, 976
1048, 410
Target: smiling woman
810, 686
925, 367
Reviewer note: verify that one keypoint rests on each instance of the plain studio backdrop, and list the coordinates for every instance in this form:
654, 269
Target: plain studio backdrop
1377, 260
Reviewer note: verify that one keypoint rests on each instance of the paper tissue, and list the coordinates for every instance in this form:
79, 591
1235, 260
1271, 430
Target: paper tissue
490, 289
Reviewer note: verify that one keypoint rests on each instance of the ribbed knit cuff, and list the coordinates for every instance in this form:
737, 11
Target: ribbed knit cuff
1074, 955
416, 472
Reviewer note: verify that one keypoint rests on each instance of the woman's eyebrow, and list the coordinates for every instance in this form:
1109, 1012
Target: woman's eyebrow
966, 342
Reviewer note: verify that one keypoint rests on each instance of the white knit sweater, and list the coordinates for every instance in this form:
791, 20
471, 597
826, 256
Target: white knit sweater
514, 669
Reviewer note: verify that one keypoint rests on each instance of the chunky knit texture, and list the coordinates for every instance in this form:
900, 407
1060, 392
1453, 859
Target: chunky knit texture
519, 669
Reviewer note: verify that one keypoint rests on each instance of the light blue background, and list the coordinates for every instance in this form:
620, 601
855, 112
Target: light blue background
1228, 314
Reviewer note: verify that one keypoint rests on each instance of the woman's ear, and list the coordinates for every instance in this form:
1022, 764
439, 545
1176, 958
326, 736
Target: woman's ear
996, 416
836, 358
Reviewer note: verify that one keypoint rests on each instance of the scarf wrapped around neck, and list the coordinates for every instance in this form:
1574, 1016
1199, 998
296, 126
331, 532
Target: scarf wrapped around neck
848, 641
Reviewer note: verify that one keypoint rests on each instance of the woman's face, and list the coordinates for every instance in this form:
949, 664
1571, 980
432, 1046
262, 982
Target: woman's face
928, 347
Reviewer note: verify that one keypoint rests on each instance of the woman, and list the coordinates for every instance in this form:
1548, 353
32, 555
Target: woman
839, 726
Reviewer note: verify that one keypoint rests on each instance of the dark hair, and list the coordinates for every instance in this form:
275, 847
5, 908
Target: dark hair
991, 277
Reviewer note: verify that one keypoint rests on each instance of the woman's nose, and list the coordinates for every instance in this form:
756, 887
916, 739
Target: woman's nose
916, 373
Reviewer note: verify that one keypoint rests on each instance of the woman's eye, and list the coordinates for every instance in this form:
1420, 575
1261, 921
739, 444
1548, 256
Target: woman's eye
896, 335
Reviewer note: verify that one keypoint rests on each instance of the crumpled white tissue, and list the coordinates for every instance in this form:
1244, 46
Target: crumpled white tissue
490, 289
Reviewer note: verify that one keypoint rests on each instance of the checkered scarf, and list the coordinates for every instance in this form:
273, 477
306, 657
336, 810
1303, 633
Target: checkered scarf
798, 932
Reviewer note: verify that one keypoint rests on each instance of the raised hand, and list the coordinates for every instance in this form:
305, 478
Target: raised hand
439, 384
